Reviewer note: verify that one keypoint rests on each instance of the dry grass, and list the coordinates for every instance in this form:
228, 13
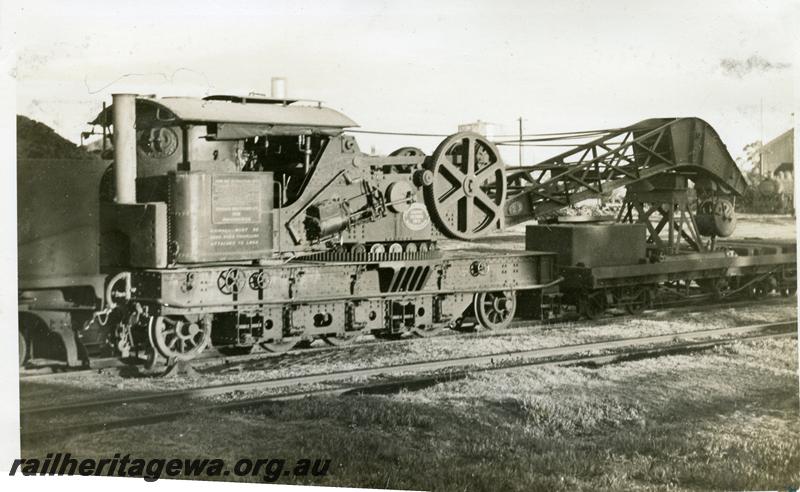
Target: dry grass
722, 419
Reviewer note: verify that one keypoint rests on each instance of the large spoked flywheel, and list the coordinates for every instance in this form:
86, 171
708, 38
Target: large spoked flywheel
467, 195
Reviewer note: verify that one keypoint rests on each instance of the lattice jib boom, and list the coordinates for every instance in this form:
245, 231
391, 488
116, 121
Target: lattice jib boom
618, 158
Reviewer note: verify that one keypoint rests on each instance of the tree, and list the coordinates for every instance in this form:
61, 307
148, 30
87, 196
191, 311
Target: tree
750, 164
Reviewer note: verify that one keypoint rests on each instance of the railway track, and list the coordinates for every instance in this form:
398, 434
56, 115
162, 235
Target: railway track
37, 420
210, 358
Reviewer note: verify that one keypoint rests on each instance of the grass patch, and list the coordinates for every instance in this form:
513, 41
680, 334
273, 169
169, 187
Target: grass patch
723, 419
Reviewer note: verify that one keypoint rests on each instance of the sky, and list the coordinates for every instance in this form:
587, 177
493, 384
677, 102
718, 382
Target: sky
424, 66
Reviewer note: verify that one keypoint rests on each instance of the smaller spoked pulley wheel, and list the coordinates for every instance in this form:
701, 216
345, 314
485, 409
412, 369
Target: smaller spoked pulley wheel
177, 338
468, 190
231, 281
495, 310
408, 151
404, 152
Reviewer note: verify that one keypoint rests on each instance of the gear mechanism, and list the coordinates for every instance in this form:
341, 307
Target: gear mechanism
467, 196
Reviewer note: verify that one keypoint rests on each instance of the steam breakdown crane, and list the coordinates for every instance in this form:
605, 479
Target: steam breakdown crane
242, 222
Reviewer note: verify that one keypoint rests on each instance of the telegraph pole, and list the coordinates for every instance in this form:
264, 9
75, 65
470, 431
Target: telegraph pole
761, 141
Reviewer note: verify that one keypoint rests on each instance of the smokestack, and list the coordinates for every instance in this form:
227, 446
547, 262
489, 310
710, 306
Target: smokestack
125, 146
278, 88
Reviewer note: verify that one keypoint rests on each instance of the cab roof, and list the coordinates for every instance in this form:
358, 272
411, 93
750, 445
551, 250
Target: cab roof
218, 110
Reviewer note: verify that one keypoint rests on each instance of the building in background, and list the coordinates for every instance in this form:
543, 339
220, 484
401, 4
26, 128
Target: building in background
480, 127
772, 191
777, 157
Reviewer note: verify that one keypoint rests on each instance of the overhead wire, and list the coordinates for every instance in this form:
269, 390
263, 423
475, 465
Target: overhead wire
406, 134
527, 140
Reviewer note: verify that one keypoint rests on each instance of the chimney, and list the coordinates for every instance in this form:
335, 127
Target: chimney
125, 146
278, 88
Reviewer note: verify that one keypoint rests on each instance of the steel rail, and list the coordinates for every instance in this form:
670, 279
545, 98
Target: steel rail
423, 366
206, 359
545, 358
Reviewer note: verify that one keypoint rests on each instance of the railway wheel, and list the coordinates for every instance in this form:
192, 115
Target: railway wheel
177, 338
642, 301
340, 340
303, 344
592, 305
281, 346
424, 331
23, 349
467, 195
495, 310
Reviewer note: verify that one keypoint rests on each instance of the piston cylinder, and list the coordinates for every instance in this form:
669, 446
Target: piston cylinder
326, 218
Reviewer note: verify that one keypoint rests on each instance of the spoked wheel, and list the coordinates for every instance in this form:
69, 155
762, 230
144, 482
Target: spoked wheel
641, 302
635, 307
495, 310
715, 287
468, 192
281, 346
176, 338
153, 361
340, 340
404, 151
592, 306
23, 349
408, 151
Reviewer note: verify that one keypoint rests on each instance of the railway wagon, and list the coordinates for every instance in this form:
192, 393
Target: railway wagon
240, 222
629, 274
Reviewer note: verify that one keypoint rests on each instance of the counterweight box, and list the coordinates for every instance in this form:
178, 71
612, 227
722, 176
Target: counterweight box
589, 245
